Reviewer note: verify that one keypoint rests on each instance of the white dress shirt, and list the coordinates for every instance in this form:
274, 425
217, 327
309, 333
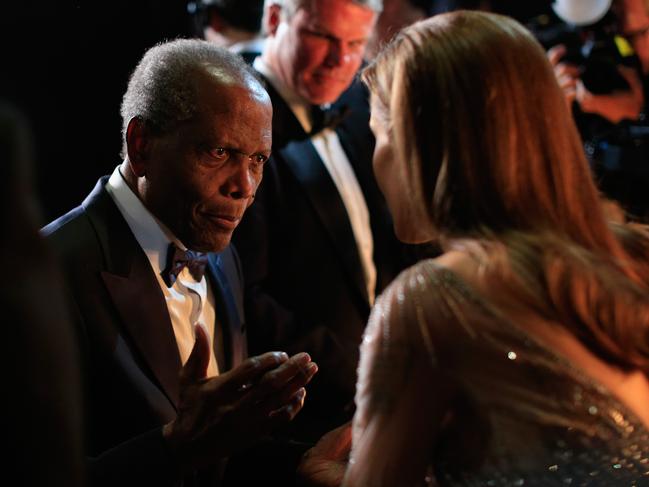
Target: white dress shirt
328, 146
252, 45
189, 302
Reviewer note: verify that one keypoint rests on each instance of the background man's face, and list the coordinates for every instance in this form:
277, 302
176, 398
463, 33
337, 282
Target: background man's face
634, 19
321, 48
200, 178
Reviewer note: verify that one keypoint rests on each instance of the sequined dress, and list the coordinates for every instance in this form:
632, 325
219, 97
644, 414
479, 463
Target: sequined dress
522, 414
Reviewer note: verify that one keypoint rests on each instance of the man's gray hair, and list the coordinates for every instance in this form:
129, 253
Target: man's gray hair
162, 88
289, 7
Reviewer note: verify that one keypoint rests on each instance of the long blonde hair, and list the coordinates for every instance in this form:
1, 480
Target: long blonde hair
492, 153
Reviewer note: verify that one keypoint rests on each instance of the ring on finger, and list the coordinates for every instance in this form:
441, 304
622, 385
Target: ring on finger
244, 387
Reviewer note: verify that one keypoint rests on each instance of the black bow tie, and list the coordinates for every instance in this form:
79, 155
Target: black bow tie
322, 118
178, 259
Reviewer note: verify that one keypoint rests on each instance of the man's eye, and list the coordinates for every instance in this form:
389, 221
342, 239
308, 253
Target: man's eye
259, 158
219, 153
315, 34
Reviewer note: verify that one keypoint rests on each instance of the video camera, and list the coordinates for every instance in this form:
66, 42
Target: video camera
591, 38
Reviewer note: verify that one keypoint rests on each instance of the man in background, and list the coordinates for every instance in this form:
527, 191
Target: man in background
396, 15
317, 245
233, 24
610, 101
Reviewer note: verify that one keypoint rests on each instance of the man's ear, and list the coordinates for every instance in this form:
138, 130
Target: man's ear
272, 18
137, 145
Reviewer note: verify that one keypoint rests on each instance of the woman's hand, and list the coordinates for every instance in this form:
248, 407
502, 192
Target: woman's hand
324, 465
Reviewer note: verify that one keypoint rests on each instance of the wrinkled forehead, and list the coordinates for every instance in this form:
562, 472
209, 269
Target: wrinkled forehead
314, 10
233, 109
634, 14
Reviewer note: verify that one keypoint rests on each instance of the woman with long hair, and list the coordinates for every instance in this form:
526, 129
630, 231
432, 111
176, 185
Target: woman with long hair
520, 356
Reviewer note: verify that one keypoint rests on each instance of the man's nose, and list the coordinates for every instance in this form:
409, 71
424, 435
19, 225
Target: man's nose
338, 53
241, 183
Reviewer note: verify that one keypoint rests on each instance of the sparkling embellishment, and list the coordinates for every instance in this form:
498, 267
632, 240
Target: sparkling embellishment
618, 417
578, 434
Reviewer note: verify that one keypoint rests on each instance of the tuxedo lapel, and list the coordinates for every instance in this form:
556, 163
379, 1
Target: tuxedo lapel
295, 148
135, 292
233, 346
286, 126
306, 165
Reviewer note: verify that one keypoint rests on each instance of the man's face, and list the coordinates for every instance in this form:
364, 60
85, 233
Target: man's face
319, 49
635, 22
201, 177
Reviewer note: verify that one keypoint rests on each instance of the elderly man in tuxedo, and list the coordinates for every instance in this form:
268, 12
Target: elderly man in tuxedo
156, 288
317, 245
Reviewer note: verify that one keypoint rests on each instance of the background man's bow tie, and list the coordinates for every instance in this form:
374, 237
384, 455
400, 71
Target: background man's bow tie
178, 259
322, 118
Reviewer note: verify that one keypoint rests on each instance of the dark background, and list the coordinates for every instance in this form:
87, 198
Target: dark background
66, 65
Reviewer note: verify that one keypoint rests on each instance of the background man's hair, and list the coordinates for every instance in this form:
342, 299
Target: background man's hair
289, 7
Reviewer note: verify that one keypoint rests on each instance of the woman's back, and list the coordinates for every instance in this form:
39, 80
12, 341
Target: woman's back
526, 406
630, 387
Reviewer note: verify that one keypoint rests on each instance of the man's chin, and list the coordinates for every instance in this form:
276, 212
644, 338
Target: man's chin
216, 243
319, 96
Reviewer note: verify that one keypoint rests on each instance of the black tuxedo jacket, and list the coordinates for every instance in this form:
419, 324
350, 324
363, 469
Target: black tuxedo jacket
131, 360
305, 289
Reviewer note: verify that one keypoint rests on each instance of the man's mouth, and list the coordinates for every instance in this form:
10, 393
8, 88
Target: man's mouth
225, 221
329, 78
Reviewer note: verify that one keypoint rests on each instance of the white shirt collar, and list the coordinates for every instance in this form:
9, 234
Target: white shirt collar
152, 235
252, 45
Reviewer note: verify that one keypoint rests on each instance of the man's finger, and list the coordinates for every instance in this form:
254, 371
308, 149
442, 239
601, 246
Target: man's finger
567, 82
274, 382
289, 411
195, 368
563, 69
248, 373
556, 53
280, 395
630, 75
583, 96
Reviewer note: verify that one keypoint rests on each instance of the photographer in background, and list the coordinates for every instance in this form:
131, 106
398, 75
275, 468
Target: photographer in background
615, 106
635, 27
233, 24
395, 15
605, 79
